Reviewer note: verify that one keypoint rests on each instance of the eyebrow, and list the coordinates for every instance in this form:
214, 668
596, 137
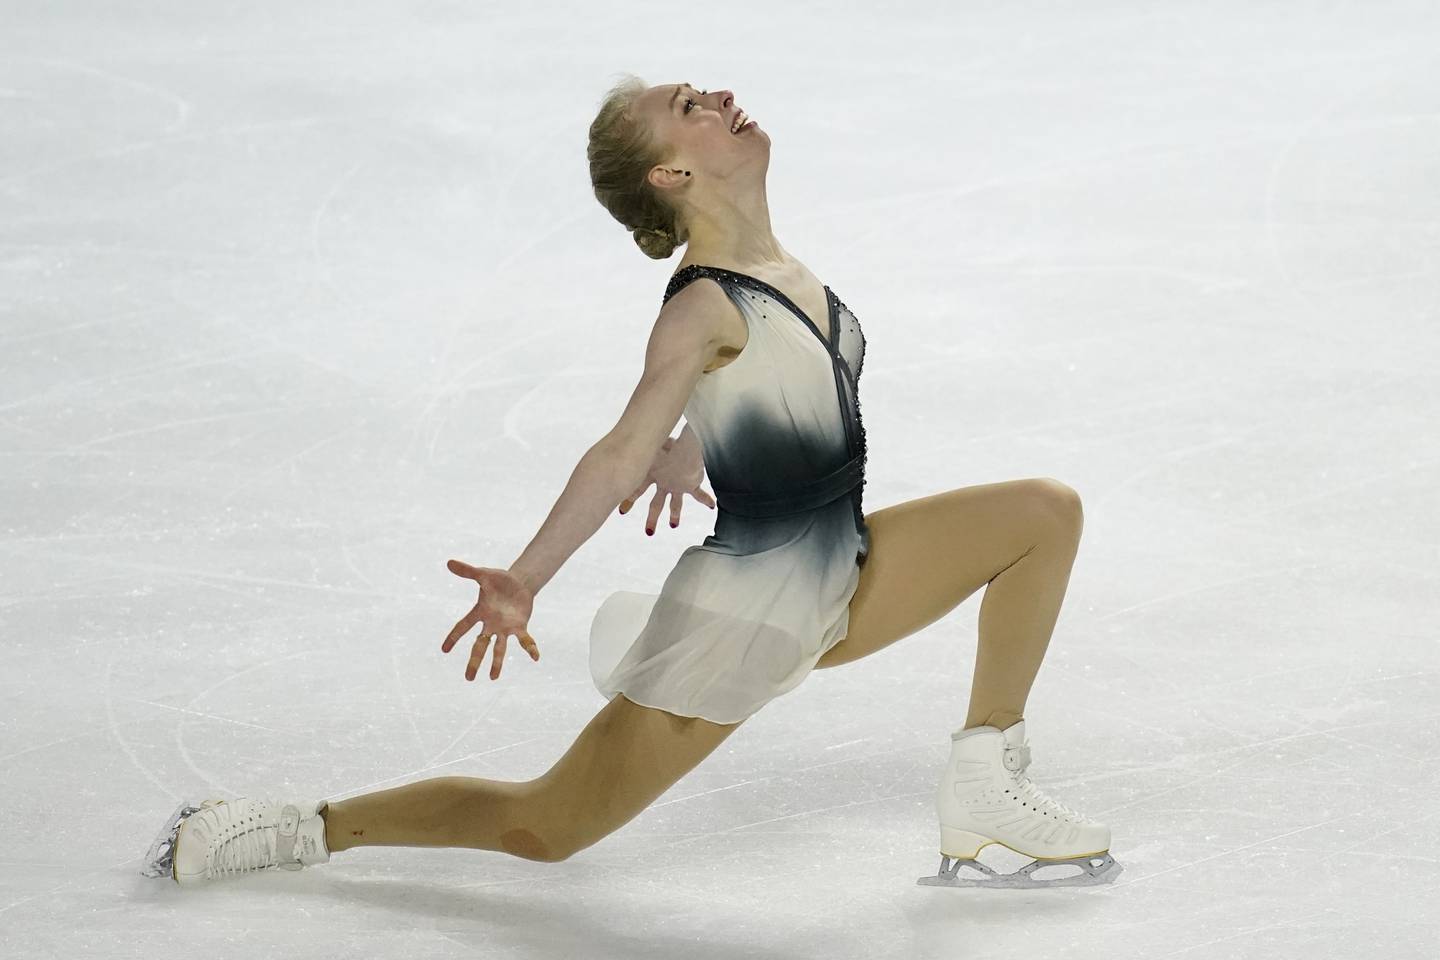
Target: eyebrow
677, 93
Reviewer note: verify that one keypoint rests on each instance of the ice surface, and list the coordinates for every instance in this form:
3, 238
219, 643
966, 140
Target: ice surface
298, 301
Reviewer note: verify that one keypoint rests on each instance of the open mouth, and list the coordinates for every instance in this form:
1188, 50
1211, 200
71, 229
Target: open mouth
742, 123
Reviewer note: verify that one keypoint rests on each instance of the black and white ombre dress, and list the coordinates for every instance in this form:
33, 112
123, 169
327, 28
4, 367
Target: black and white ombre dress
743, 616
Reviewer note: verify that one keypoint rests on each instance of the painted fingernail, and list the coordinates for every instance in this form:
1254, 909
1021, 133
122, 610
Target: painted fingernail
649, 532
674, 524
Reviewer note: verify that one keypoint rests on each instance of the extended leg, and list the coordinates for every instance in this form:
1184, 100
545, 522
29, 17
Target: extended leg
625, 758
440, 812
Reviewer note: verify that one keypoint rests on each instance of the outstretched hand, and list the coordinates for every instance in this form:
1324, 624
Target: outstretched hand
504, 608
677, 470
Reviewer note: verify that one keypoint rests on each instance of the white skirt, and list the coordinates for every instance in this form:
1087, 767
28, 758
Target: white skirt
729, 632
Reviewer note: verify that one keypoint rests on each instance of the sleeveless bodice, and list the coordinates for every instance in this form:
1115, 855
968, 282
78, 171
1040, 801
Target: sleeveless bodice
780, 424
744, 616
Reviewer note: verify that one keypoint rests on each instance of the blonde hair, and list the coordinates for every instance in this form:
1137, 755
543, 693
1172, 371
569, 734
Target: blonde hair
621, 151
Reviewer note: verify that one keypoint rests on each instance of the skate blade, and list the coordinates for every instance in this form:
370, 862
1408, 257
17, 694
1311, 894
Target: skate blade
1094, 870
161, 857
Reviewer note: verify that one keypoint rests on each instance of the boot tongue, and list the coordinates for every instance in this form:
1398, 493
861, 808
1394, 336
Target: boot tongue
1015, 734
310, 845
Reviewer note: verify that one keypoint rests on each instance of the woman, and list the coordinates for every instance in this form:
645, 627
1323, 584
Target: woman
764, 360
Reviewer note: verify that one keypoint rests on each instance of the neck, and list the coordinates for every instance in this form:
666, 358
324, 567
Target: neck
734, 229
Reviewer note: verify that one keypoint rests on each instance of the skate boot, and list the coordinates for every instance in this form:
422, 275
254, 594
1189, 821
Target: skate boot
226, 838
985, 797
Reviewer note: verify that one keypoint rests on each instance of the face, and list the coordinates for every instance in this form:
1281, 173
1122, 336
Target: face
696, 124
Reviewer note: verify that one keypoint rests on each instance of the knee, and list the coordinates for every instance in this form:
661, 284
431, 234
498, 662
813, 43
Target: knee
1062, 502
559, 847
529, 845
553, 829
531, 828
564, 850
562, 844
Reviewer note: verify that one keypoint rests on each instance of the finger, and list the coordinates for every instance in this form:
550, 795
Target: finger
675, 500
499, 656
703, 497
527, 643
477, 656
461, 628
629, 501
462, 569
655, 503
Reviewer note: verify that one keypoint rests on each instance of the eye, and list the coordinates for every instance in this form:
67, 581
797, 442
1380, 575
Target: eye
690, 103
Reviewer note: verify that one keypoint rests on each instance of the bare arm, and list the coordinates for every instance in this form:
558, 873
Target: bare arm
685, 339
597, 485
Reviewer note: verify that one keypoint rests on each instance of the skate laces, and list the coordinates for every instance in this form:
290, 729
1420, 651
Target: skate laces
253, 848
1017, 759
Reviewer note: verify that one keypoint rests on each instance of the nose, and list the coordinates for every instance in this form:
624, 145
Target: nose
727, 97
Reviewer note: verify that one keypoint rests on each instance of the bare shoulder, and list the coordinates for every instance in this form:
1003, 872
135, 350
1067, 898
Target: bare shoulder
703, 307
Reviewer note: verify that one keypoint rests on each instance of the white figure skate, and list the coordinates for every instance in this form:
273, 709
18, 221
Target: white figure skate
985, 797
226, 838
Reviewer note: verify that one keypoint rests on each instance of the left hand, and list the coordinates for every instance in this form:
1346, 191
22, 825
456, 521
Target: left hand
677, 470
504, 607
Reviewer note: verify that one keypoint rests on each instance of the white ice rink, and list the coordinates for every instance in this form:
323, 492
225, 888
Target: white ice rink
298, 301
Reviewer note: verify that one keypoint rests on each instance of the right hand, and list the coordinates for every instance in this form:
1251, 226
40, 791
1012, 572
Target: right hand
504, 607
677, 470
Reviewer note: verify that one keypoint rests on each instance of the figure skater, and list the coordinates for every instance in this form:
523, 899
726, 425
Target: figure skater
764, 361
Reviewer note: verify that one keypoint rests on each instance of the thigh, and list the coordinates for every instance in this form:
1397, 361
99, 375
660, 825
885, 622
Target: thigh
624, 759
928, 555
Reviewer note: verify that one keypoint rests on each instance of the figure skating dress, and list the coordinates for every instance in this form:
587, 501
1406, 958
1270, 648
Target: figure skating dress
743, 617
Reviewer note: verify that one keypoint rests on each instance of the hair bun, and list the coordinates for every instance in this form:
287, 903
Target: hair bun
657, 243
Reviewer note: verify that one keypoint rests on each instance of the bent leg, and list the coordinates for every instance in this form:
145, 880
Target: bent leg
1017, 617
626, 757
928, 555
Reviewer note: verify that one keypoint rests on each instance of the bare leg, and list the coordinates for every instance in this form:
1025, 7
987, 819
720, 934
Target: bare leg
626, 757
440, 812
1017, 617
1017, 540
